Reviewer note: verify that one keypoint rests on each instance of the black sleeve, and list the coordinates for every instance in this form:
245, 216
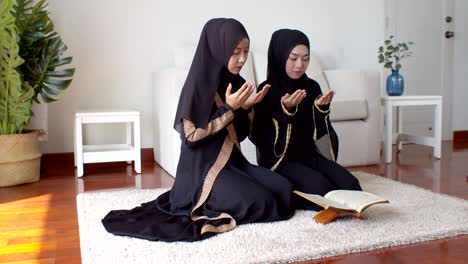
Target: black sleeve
321, 113
321, 120
222, 117
263, 134
242, 123
281, 113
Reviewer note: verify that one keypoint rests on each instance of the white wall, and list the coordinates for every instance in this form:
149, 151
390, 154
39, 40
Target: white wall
116, 44
460, 91
110, 44
345, 33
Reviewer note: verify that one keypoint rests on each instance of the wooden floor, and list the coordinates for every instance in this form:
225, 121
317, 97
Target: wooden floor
38, 222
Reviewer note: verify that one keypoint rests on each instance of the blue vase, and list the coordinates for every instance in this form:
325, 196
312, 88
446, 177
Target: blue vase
395, 84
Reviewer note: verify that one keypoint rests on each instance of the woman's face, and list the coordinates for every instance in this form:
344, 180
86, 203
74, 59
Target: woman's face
297, 62
239, 56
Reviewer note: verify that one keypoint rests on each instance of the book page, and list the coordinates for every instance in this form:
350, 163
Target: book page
324, 202
356, 200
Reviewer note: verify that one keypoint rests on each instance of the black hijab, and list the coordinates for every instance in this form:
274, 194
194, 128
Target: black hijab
282, 43
219, 38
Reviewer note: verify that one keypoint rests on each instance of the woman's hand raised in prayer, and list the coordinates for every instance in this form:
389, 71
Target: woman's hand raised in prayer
237, 99
326, 98
255, 97
291, 100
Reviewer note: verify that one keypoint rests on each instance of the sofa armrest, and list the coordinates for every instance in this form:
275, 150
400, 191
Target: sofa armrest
358, 84
354, 84
168, 82
166, 86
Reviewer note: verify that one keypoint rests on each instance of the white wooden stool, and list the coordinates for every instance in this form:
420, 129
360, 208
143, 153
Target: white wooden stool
106, 153
411, 100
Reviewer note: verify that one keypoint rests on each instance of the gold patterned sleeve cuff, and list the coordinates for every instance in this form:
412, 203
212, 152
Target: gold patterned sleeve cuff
193, 134
318, 107
286, 110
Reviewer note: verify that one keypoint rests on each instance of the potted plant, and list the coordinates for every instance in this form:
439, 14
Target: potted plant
30, 66
391, 54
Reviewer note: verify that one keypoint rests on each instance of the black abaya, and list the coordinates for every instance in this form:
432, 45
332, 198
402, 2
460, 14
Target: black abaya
286, 140
215, 187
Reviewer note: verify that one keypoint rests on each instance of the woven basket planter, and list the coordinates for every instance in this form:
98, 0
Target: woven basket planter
20, 158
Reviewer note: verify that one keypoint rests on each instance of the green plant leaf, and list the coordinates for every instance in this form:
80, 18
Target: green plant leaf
30, 56
43, 49
40, 24
381, 58
394, 53
58, 84
61, 62
48, 85
15, 96
62, 73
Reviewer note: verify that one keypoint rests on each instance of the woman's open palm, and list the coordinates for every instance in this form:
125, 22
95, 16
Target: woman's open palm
237, 99
256, 97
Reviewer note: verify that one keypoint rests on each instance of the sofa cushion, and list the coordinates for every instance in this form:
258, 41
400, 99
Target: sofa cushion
345, 110
314, 71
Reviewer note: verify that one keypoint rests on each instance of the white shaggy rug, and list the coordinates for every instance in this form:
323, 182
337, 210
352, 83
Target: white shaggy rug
413, 215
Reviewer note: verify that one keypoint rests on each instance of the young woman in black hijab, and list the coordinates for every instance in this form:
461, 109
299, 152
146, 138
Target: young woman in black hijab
292, 118
215, 187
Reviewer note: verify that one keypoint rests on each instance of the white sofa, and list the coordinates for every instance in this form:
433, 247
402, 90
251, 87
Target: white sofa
355, 110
